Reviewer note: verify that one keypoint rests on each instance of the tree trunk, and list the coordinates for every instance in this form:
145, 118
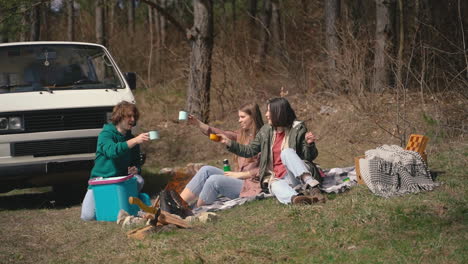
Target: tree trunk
35, 23
401, 44
111, 17
264, 33
24, 23
201, 40
151, 35
45, 20
3, 31
234, 15
276, 28
100, 23
331, 15
131, 18
70, 20
162, 25
252, 12
383, 34
157, 17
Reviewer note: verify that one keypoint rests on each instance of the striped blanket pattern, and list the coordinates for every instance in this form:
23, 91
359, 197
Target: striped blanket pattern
389, 170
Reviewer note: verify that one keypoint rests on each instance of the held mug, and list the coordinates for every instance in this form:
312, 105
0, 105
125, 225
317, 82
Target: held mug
154, 135
183, 116
214, 137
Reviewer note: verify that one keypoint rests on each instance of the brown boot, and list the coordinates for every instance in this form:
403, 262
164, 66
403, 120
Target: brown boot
316, 193
304, 199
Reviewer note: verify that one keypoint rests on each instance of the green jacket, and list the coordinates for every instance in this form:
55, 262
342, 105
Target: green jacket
263, 142
113, 156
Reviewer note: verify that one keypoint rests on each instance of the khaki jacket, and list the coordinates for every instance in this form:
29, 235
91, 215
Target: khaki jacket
263, 141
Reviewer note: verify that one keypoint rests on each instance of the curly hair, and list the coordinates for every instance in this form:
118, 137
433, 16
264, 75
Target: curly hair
122, 110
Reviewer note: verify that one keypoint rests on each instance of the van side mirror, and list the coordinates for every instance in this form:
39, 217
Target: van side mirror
130, 77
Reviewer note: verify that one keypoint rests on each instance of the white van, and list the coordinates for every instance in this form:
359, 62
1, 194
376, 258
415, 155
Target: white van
55, 98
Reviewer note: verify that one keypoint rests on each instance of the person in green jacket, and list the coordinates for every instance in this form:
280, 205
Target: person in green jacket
288, 149
117, 153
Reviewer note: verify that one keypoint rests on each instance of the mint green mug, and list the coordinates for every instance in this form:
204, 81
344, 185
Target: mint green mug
154, 135
183, 116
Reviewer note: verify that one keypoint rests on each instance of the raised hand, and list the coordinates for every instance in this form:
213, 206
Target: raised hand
310, 138
224, 139
132, 170
141, 138
192, 120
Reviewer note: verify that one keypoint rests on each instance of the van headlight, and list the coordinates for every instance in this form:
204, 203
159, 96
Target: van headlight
3, 123
11, 123
15, 123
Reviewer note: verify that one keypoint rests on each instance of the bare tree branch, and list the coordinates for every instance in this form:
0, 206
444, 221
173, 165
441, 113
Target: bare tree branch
11, 11
169, 17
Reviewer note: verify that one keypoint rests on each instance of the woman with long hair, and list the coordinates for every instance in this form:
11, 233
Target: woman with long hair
288, 150
210, 181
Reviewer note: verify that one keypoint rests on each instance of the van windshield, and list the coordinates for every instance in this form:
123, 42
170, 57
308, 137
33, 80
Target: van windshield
27, 68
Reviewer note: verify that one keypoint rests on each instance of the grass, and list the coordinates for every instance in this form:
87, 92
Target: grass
353, 227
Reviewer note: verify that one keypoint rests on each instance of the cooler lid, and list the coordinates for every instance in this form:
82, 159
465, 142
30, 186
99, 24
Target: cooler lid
109, 180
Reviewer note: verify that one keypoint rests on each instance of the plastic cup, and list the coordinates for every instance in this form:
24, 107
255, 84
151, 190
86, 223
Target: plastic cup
183, 116
154, 135
214, 137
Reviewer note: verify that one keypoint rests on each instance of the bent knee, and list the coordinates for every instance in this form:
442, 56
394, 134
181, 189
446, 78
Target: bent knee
214, 180
287, 152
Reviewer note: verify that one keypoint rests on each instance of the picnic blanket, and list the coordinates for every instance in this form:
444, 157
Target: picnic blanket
389, 170
336, 180
223, 203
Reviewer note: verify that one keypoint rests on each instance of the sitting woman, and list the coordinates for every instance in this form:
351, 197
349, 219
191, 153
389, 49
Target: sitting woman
209, 181
117, 153
287, 154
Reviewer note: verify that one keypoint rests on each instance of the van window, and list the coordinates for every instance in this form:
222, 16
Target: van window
30, 68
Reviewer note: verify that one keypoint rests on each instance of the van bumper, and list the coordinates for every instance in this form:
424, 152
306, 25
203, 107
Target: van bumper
21, 169
29, 171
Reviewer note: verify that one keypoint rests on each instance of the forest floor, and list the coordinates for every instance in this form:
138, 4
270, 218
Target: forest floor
352, 227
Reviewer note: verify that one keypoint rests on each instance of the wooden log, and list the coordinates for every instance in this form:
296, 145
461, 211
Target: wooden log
144, 207
141, 232
168, 218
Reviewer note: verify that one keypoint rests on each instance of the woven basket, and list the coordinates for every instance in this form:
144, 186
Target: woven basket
358, 172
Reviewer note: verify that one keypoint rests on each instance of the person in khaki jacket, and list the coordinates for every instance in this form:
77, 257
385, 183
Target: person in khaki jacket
287, 153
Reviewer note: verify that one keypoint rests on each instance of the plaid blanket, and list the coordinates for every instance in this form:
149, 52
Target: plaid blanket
390, 170
336, 180
223, 203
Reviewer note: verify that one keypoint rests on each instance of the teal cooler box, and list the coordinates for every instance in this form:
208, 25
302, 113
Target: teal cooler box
111, 194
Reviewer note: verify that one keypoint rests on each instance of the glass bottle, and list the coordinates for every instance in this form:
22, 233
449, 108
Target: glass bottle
226, 166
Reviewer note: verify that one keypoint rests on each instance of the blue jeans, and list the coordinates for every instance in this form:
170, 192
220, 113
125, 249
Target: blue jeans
282, 188
209, 182
88, 208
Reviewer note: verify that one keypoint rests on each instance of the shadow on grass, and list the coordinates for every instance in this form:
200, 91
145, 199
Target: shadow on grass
435, 174
46, 198
39, 200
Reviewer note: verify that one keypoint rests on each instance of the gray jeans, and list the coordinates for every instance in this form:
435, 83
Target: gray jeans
209, 182
282, 188
88, 208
